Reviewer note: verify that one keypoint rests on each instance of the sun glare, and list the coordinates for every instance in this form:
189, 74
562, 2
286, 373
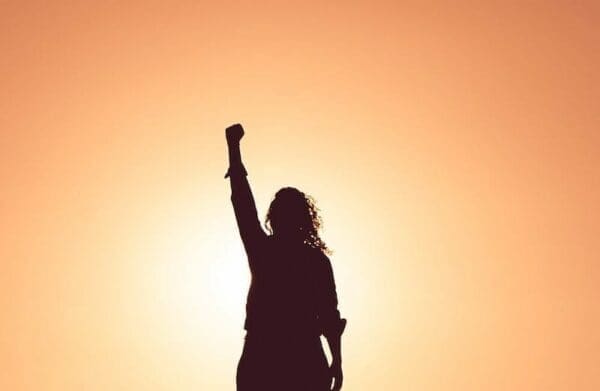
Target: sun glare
203, 276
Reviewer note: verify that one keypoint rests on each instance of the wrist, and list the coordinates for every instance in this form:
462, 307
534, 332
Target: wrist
232, 143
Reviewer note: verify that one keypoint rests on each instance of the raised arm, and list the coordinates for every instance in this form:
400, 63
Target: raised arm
244, 206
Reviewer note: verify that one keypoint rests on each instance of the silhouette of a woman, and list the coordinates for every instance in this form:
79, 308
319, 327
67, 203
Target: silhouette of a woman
292, 299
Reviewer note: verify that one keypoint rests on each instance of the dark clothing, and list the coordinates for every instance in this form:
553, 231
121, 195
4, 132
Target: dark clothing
291, 302
292, 290
280, 363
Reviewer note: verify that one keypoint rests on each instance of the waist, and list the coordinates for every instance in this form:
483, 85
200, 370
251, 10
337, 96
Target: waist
271, 328
282, 340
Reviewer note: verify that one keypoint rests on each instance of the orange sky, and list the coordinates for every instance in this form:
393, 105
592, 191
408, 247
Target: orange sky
453, 150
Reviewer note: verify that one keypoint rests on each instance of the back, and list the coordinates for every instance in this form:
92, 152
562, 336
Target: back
286, 288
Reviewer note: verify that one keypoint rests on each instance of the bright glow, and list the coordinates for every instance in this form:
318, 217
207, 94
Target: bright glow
453, 149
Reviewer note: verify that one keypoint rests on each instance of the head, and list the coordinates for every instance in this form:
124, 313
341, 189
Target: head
294, 216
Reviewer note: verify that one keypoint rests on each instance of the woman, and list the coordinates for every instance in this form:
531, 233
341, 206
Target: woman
292, 298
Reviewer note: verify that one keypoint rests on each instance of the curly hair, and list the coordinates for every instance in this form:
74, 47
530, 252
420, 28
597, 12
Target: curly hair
295, 212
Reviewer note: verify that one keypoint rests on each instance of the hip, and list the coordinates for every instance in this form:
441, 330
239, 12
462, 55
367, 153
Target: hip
297, 361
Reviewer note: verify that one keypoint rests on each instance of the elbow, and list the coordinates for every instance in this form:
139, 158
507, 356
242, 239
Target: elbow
334, 328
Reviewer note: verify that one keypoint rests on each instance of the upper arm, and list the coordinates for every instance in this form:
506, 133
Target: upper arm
327, 282
246, 215
327, 302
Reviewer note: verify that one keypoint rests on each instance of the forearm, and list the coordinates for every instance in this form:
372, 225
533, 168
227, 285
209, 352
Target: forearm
335, 346
332, 325
240, 187
235, 161
235, 155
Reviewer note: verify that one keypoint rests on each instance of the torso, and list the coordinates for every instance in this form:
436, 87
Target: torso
281, 296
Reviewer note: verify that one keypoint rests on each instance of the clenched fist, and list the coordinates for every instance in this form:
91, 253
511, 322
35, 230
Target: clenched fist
234, 133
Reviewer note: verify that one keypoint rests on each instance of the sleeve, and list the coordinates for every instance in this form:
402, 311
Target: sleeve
237, 169
331, 323
246, 215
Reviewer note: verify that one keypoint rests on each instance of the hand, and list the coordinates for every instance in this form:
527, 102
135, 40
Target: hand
234, 133
337, 375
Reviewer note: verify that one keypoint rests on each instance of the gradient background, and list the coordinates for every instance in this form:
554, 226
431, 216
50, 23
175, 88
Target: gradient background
453, 150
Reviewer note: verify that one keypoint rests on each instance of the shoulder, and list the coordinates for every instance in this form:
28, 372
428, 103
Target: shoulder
318, 258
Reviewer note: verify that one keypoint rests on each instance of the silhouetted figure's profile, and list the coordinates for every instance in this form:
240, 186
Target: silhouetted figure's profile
292, 299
